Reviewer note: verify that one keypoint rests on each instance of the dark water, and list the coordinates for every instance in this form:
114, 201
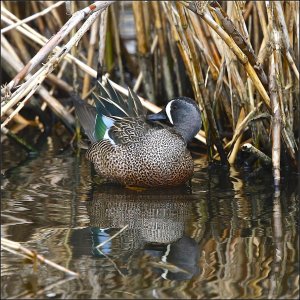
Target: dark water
225, 236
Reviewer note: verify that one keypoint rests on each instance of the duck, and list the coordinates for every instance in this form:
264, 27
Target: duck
131, 148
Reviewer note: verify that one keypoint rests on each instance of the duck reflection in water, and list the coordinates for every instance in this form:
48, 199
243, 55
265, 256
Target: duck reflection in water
156, 228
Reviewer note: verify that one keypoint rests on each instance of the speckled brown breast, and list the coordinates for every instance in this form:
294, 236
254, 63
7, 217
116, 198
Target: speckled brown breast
160, 158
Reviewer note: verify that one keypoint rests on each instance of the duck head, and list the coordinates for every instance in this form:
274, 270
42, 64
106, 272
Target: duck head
184, 114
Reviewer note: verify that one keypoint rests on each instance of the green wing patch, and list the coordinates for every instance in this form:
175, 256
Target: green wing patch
100, 128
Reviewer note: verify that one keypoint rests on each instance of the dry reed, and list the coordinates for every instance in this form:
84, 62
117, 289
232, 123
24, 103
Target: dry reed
238, 60
18, 249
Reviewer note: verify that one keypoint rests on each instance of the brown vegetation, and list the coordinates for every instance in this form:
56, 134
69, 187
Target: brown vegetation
238, 59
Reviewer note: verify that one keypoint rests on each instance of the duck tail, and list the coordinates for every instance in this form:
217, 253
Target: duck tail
86, 114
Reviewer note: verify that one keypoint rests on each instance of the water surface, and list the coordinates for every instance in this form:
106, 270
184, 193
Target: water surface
223, 236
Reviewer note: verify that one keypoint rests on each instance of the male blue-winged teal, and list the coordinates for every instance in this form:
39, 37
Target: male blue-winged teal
129, 148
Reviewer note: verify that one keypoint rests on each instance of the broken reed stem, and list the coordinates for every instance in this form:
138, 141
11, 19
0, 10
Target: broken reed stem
90, 56
266, 160
242, 125
275, 123
198, 82
32, 17
204, 40
275, 39
236, 50
276, 113
55, 40
163, 52
42, 73
236, 146
33, 255
143, 49
18, 139
241, 42
285, 37
140, 76
41, 40
147, 104
102, 36
54, 104
117, 43
38, 38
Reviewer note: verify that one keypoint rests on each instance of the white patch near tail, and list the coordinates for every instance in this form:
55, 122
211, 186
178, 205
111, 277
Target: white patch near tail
164, 259
106, 137
109, 122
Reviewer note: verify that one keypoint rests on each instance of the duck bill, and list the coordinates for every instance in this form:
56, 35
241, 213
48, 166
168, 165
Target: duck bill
157, 117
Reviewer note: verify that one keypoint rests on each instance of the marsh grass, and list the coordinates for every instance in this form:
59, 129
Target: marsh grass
238, 59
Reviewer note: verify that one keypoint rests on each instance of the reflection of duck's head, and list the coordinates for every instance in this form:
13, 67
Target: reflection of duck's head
179, 260
151, 217
184, 254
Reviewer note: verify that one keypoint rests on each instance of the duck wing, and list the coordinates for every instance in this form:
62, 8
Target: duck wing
115, 118
128, 130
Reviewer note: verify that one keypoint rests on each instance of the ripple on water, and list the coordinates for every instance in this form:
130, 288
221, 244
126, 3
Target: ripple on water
222, 236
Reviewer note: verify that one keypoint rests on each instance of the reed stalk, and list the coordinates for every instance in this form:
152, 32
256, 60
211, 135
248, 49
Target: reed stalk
117, 44
201, 91
163, 52
143, 49
14, 246
57, 107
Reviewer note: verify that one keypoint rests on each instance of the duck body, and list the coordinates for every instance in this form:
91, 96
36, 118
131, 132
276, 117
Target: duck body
128, 147
158, 158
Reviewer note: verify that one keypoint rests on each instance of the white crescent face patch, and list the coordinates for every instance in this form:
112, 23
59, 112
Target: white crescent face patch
168, 111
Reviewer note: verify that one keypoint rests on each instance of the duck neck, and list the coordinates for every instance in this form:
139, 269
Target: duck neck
186, 131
